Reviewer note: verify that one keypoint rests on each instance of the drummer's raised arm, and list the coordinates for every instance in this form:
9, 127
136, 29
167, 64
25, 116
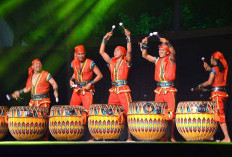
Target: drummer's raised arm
129, 46
143, 46
171, 49
102, 52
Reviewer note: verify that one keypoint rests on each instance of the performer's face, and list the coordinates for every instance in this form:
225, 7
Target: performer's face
37, 66
80, 56
162, 52
117, 53
213, 61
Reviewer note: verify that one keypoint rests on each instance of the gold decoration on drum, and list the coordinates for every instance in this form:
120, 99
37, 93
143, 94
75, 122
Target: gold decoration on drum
106, 122
3, 121
195, 120
67, 122
146, 120
27, 123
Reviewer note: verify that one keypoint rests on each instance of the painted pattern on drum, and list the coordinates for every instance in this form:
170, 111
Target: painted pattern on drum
146, 120
195, 120
65, 122
3, 124
104, 121
27, 123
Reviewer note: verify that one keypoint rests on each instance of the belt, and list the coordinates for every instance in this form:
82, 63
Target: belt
119, 83
82, 84
222, 88
165, 84
40, 96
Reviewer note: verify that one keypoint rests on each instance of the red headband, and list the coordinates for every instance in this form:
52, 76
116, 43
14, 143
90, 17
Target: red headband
30, 72
164, 47
80, 48
122, 49
218, 55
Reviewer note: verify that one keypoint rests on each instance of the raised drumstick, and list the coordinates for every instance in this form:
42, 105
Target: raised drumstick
203, 59
156, 34
151, 34
121, 24
113, 27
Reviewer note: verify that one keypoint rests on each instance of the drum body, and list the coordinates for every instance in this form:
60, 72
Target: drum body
67, 122
195, 120
27, 123
3, 123
146, 120
106, 122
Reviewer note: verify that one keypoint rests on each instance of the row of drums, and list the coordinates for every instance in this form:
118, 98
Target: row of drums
146, 120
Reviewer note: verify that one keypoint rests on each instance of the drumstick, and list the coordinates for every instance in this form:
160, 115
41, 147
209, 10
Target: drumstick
197, 89
113, 27
12, 96
57, 99
8, 97
74, 85
121, 24
203, 59
151, 34
156, 34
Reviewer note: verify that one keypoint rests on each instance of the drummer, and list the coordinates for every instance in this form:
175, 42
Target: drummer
119, 67
217, 79
38, 82
165, 74
82, 80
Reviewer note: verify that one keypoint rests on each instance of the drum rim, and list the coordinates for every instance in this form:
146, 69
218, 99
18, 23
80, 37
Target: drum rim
196, 104
147, 102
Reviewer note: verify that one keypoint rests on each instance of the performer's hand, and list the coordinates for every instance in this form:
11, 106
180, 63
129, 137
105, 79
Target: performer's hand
88, 86
56, 94
127, 33
206, 66
71, 83
200, 87
163, 40
145, 40
16, 93
108, 35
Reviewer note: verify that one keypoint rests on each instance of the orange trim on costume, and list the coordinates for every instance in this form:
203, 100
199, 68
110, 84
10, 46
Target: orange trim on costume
217, 95
83, 68
166, 89
37, 82
114, 70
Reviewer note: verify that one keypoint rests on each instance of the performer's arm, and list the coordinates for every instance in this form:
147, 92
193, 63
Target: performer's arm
98, 77
207, 67
24, 90
55, 87
129, 46
102, 52
208, 82
171, 49
145, 55
71, 82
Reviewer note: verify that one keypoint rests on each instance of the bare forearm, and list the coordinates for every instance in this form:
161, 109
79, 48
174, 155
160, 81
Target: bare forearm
26, 90
206, 83
97, 78
102, 48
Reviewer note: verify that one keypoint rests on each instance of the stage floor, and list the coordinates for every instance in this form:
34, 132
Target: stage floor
2, 143
115, 148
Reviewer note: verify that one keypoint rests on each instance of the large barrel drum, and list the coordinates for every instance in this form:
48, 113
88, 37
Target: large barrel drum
27, 123
3, 122
67, 122
106, 122
195, 120
146, 120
